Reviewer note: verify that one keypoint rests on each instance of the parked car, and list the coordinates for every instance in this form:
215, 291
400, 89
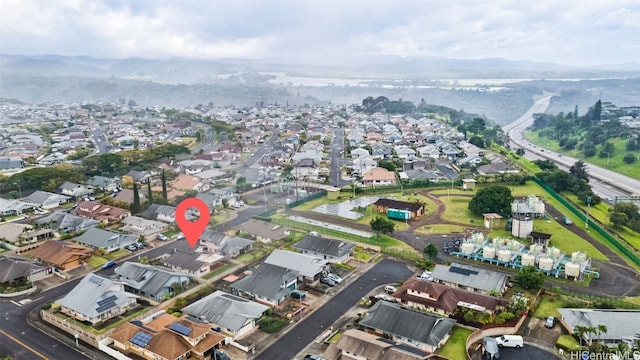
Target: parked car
162, 237
490, 348
131, 247
108, 264
327, 281
390, 289
337, 279
140, 245
515, 341
551, 321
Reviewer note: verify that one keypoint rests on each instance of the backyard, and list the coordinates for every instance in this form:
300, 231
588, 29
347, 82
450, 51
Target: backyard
456, 346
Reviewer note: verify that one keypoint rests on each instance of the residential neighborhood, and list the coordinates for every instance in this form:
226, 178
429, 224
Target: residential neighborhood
334, 232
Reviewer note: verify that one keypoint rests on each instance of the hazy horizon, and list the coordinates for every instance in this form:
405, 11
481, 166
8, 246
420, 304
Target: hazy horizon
571, 33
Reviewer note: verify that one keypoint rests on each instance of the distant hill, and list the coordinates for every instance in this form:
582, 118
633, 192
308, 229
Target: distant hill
181, 82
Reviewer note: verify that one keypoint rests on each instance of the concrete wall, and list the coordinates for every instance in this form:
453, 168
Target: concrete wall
492, 331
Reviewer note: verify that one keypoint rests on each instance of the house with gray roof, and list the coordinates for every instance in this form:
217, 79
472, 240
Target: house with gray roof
74, 190
622, 325
150, 281
105, 240
139, 176
47, 200
234, 246
323, 248
103, 182
421, 174
65, 222
17, 270
234, 315
96, 299
413, 328
191, 262
159, 212
143, 227
470, 278
270, 284
309, 267
11, 163
13, 207
371, 347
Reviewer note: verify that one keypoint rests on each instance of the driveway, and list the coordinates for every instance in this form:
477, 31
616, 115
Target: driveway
296, 339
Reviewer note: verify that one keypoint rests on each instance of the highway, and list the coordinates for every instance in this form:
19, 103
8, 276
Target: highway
605, 183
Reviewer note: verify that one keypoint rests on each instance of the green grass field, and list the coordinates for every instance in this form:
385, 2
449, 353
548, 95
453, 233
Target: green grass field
456, 347
457, 211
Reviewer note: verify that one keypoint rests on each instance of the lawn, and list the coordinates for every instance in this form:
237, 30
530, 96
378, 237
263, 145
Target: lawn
220, 217
361, 254
170, 233
548, 307
440, 229
117, 254
567, 342
96, 261
218, 271
456, 347
457, 211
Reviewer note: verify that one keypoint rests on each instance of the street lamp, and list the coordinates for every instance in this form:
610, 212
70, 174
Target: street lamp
608, 157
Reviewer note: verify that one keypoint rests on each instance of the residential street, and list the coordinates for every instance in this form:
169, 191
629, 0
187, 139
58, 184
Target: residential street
296, 339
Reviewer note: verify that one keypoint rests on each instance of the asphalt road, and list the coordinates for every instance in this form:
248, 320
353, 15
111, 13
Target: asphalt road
296, 339
335, 176
20, 340
606, 179
101, 141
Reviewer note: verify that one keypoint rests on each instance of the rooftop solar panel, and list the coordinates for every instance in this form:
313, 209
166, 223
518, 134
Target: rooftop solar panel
106, 300
462, 271
141, 339
105, 307
183, 330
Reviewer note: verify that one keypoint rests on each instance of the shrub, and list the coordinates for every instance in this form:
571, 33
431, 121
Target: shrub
270, 325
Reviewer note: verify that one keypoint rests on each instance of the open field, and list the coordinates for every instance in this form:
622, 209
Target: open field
457, 211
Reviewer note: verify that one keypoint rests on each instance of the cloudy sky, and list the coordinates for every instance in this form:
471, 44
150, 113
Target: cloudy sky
571, 32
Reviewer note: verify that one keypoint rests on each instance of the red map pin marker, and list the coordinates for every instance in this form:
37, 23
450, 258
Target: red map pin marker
192, 229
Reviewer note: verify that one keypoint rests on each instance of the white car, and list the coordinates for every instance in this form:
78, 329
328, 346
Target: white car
337, 279
390, 289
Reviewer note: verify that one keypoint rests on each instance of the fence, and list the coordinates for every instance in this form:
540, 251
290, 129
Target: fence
633, 257
313, 196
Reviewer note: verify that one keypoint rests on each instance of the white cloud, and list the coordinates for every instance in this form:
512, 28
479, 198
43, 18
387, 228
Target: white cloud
571, 32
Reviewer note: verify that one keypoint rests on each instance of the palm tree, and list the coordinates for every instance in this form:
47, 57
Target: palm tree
579, 331
601, 329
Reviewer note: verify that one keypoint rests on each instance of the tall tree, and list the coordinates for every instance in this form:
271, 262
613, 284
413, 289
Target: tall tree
164, 186
382, 226
135, 207
579, 170
492, 199
149, 193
